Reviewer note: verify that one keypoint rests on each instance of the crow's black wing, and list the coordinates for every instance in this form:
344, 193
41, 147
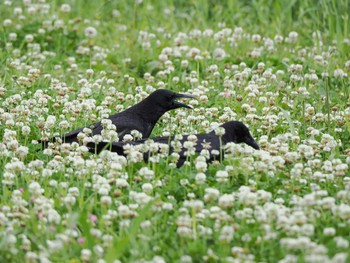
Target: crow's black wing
128, 121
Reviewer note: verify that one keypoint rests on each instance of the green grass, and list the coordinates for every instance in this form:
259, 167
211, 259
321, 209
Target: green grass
66, 205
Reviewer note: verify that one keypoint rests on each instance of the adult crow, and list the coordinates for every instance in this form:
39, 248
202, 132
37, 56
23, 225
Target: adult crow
141, 117
235, 131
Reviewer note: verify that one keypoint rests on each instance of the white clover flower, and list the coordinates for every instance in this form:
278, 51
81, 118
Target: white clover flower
29, 38
124, 224
184, 64
9, 135
85, 254
7, 22
59, 24
347, 64
340, 257
12, 37
247, 198
127, 138
168, 206
341, 169
120, 182
219, 54
48, 152
74, 191
329, 231
141, 198
201, 166
205, 154
184, 220
211, 194
147, 188
95, 232
186, 259
226, 234
147, 173
50, 122
31, 256
226, 201
65, 8
256, 53
220, 131
35, 188
12, 145
69, 200
200, 178
90, 32
115, 13
193, 52
292, 37
246, 238
135, 156
96, 138
341, 242
307, 230
221, 176
53, 216
184, 231
136, 134
256, 38
17, 11
22, 152
89, 72
98, 250
339, 73
124, 211
196, 205
184, 182
26, 244
192, 138
8, 178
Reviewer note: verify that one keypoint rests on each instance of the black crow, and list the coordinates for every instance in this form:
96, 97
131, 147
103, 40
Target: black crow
235, 131
141, 117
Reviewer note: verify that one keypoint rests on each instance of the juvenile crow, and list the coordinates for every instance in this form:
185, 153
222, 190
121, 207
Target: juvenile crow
235, 131
141, 117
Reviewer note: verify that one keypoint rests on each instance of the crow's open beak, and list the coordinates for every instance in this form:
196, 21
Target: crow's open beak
180, 96
251, 142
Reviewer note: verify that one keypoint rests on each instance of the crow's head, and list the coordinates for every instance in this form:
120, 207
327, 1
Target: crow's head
167, 99
237, 132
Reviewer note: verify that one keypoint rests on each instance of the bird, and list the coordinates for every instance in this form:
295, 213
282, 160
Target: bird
141, 117
235, 131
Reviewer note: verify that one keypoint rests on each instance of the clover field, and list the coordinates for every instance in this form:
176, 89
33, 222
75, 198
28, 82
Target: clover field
280, 67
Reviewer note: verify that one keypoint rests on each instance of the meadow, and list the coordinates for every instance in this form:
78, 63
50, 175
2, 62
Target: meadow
280, 67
